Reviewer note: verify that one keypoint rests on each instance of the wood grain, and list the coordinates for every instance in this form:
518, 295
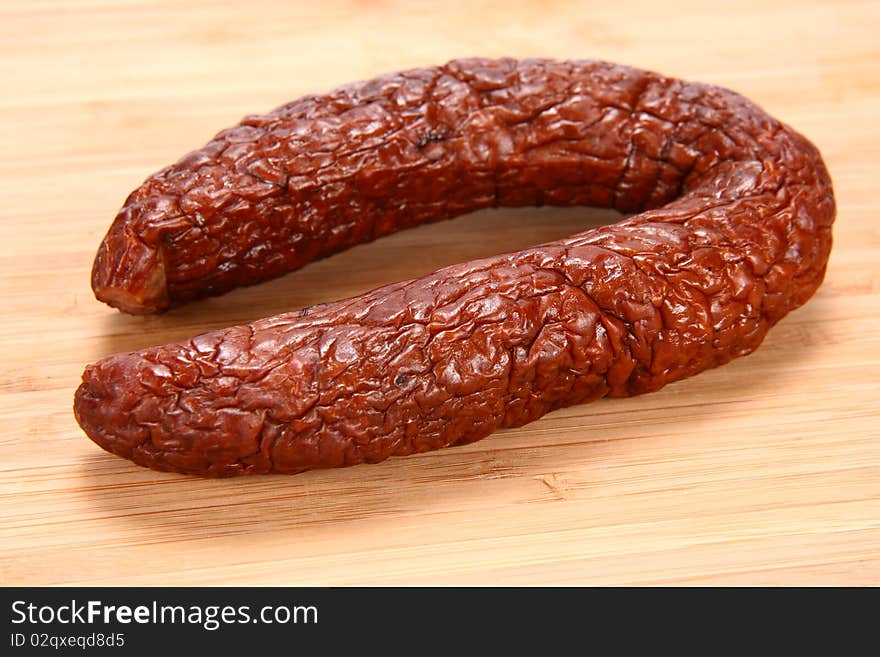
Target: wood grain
765, 471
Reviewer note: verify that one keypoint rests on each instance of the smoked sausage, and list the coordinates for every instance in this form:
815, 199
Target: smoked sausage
732, 231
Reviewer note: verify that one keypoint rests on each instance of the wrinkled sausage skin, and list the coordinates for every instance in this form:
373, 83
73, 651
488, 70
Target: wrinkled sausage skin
733, 231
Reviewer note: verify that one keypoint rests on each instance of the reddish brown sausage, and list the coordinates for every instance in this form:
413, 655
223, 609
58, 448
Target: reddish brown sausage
734, 232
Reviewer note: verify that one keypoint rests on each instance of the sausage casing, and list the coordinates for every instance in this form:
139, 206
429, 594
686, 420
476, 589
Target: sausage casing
732, 231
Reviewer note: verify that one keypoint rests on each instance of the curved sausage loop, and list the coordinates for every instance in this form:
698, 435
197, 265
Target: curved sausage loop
733, 231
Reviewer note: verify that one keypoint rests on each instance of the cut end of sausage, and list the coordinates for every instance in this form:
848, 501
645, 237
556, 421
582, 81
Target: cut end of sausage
130, 275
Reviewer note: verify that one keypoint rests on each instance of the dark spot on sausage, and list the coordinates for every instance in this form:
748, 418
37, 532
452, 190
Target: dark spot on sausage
431, 136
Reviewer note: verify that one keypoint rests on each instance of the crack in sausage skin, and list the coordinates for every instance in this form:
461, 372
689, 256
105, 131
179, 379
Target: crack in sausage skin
732, 230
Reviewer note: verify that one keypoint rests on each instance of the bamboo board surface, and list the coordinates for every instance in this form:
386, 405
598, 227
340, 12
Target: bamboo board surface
765, 471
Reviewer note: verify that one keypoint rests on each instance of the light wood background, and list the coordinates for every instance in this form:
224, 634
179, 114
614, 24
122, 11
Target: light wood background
765, 471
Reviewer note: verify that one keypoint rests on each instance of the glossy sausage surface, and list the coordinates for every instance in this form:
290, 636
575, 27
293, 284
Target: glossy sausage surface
733, 231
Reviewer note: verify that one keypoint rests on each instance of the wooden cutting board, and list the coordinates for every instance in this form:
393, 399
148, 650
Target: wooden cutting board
765, 471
